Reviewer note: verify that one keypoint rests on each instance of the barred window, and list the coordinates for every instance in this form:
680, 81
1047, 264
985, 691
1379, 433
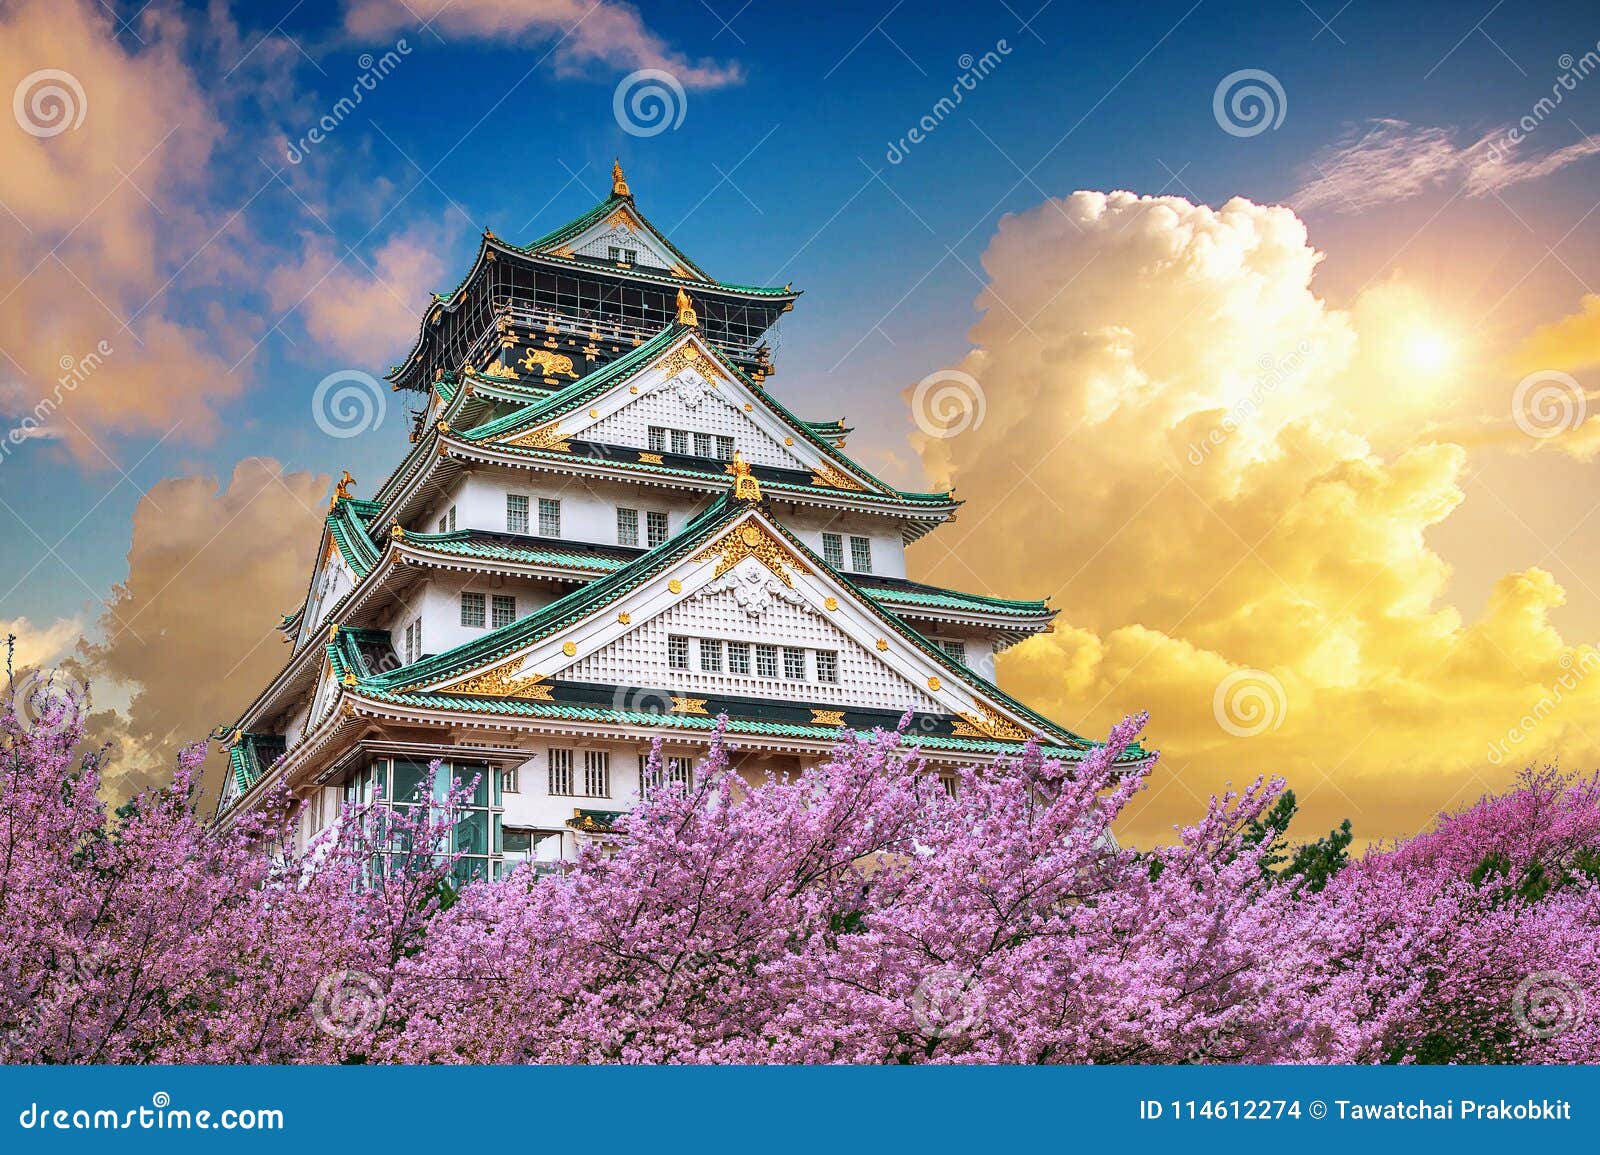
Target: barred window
472, 610
767, 661
861, 554
673, 771
794, 664
658, 439
711, 655
704, 445
596, 774
447, 523
680, 772
957, 650
678, 652
827, 666
502, 610
833, 550
508, 781
724, 447
655, 524
516, 513
680, 441
560, 770
738, 657
550, 517
627, 527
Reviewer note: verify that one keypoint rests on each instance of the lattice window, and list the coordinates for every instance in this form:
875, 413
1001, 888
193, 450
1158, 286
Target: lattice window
658, 439
550, 517
956, 649
627, 527
861, 554
655, 527
560, 770
827, 666
678, 653
767, 661
503, 610
738, 657
472, 610
833, 550
794, 664
705, 445
596, 774
516, 513
680, 441
711, 655
724, 447
447, 523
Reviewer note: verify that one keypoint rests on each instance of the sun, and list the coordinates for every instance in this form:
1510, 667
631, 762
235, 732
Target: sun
1428, 351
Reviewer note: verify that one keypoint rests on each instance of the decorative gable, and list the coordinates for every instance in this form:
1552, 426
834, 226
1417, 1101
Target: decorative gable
624, 231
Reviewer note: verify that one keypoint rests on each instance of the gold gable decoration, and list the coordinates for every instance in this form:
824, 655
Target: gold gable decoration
688, 356
686, 313
500, 682
745, 485
619, 183
544, 437
987, 723
752, 539
828, 476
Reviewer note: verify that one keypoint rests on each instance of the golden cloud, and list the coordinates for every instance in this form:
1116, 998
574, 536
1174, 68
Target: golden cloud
102, 172
189, 635
1217, 477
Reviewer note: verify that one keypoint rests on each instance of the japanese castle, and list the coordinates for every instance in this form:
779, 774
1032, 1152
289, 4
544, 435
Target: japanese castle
609, 530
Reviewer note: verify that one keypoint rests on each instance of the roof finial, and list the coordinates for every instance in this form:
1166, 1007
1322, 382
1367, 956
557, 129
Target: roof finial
619, 183
686, 314
745, 485
341, 490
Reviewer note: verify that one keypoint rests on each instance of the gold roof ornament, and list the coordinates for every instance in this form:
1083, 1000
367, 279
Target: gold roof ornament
745, 485
619, 183
341, 490
686, 314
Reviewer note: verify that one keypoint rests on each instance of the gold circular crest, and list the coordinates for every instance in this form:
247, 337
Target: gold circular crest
569, 648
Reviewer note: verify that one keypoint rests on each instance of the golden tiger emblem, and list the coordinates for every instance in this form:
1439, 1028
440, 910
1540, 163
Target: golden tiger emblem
547, 362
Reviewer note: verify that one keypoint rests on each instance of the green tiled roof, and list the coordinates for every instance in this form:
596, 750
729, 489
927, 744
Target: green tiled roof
590, 598
505, 548
350, 534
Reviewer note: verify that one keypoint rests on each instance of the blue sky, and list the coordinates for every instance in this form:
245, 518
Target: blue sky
781, 176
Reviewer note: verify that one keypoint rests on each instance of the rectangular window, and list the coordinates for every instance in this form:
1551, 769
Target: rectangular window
827, 666
711, 655
767, 661
503, 610
550, 518
951, 784
560, 771
738, 657
833, 550
596, 774
408, 646
704, 445
673, 771
678, 653
655, 524
472, 610
447, 523
508, 781
658, 439
516, 513
794, 664
957, 650
680, 441
622, 256
861, 554
680, 772
627, 527
724, 447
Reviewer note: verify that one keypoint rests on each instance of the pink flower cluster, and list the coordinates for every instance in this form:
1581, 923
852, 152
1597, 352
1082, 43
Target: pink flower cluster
856, 913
